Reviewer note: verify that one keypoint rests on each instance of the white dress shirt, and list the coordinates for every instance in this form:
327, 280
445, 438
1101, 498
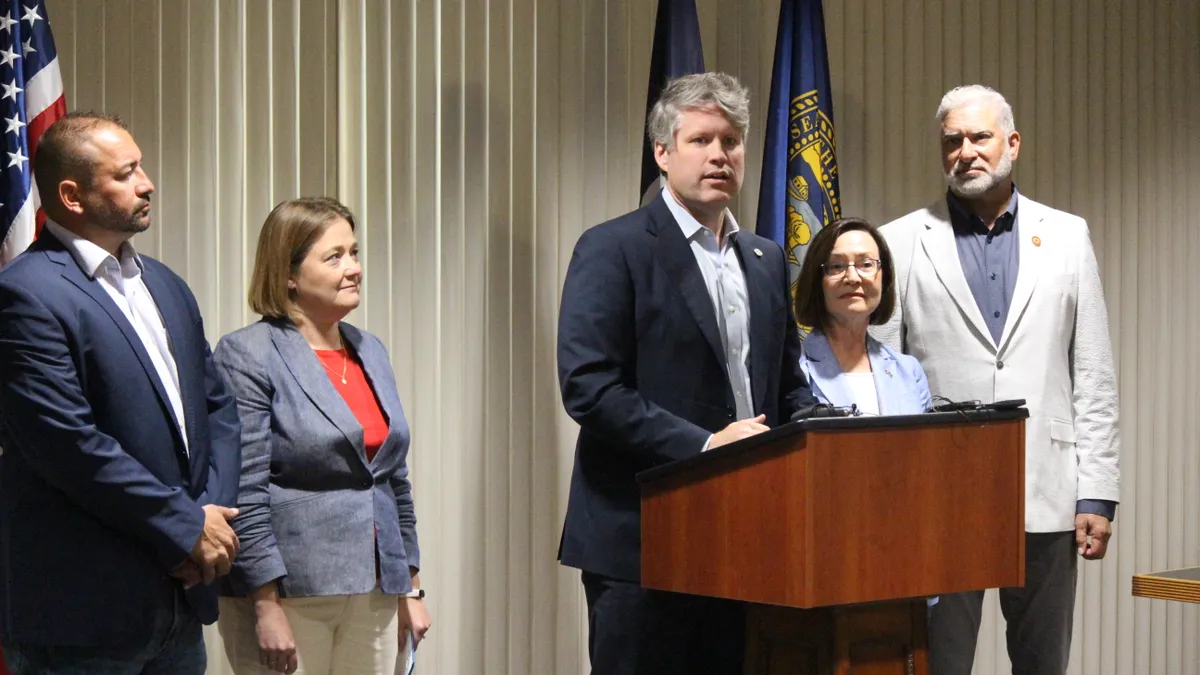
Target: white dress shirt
726, 283
122, 281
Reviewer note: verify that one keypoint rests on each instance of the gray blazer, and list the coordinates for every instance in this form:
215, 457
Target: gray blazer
311, 507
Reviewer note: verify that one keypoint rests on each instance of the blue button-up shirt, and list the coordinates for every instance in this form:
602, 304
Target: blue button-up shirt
990, 261
989, 258
726, 284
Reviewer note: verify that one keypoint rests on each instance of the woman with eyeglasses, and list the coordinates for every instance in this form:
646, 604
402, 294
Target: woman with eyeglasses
845, 285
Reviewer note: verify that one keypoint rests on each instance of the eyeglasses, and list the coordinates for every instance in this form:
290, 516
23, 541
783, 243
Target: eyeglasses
866, 268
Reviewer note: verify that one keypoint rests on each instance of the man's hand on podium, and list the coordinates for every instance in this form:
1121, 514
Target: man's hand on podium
1091, 535
739, 430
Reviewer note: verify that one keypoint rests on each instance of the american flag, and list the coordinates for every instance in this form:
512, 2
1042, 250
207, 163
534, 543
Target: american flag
31, 99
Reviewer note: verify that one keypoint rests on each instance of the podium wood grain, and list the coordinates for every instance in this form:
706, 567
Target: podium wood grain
877, 639
1182, 585
836, 530
844, 516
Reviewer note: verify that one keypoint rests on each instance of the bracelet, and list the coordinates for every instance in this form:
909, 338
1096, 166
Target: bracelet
416, 594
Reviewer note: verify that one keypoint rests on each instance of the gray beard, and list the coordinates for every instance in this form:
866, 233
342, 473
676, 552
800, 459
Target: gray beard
981, 185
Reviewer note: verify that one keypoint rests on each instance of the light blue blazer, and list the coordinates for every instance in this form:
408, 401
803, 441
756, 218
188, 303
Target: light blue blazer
312, 508
900, 382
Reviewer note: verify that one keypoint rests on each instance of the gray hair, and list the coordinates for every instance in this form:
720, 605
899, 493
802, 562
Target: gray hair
692, 92
973, 94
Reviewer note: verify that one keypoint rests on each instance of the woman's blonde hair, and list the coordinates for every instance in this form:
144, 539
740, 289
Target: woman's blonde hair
287, 236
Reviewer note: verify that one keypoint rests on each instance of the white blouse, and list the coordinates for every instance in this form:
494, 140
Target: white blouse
862, 388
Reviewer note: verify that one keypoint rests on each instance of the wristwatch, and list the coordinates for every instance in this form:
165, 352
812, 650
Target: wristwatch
416, 593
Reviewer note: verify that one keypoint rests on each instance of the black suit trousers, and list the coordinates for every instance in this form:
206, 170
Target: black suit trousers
637, 631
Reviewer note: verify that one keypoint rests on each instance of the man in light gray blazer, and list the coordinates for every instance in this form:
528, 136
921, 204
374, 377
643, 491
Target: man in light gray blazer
1000, 298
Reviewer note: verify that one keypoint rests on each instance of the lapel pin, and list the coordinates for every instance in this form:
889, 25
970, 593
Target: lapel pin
1037, 241
887, 372
758, 252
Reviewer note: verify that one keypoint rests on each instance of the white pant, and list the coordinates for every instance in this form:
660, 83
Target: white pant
335, 634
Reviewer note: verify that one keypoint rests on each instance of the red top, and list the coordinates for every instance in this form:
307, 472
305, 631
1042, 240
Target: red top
358, 395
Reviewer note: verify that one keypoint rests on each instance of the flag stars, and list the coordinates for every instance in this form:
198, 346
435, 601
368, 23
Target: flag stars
8, 57
17, 159
14, 125
11, 90
7, 22
31, 15
27, 47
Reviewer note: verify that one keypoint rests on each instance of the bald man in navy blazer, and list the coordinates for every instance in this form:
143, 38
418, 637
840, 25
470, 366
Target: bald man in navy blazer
120, 441
675, 336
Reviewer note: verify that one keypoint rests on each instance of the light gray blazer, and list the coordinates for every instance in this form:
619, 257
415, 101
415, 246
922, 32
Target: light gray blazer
311, 506
1054, 351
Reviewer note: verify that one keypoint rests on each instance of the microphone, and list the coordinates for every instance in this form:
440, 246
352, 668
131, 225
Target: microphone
947, 405
825, 410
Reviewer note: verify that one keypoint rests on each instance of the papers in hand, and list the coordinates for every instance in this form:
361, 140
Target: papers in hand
406, 662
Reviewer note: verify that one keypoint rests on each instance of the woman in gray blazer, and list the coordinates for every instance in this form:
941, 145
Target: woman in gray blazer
326, 581
845, 285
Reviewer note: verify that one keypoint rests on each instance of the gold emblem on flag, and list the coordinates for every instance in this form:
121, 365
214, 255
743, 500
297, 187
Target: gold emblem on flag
811, 141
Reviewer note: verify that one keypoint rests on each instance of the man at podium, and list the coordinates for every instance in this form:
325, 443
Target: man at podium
675, 336
1000, 298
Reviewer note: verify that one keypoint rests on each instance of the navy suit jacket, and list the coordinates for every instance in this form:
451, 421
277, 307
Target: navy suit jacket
98, 498
643, 372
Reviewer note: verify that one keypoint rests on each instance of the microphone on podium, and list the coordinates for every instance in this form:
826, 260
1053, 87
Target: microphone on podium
825, 410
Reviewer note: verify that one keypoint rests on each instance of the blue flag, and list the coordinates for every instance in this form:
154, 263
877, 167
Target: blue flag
676, 53
799, 193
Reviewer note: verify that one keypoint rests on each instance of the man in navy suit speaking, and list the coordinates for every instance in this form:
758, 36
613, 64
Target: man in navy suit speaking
120, 443
675, 336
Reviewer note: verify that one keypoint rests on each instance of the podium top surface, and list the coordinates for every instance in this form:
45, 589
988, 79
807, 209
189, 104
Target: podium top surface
1186, 574
1181, 585
830, 424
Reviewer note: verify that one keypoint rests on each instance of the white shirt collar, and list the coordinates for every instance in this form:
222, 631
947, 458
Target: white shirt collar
91, 257
688, 223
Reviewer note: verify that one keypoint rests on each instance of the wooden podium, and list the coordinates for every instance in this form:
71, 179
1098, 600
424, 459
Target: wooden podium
837, 529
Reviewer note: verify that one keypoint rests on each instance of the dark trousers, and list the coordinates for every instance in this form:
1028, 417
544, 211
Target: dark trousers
635, 631
1037, 616
175, 648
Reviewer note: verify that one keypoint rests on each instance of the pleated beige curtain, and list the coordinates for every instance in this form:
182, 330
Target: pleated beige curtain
476, 139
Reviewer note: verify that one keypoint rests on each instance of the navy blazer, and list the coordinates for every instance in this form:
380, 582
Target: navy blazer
643, 372
900, 382
98, 498
312, 509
